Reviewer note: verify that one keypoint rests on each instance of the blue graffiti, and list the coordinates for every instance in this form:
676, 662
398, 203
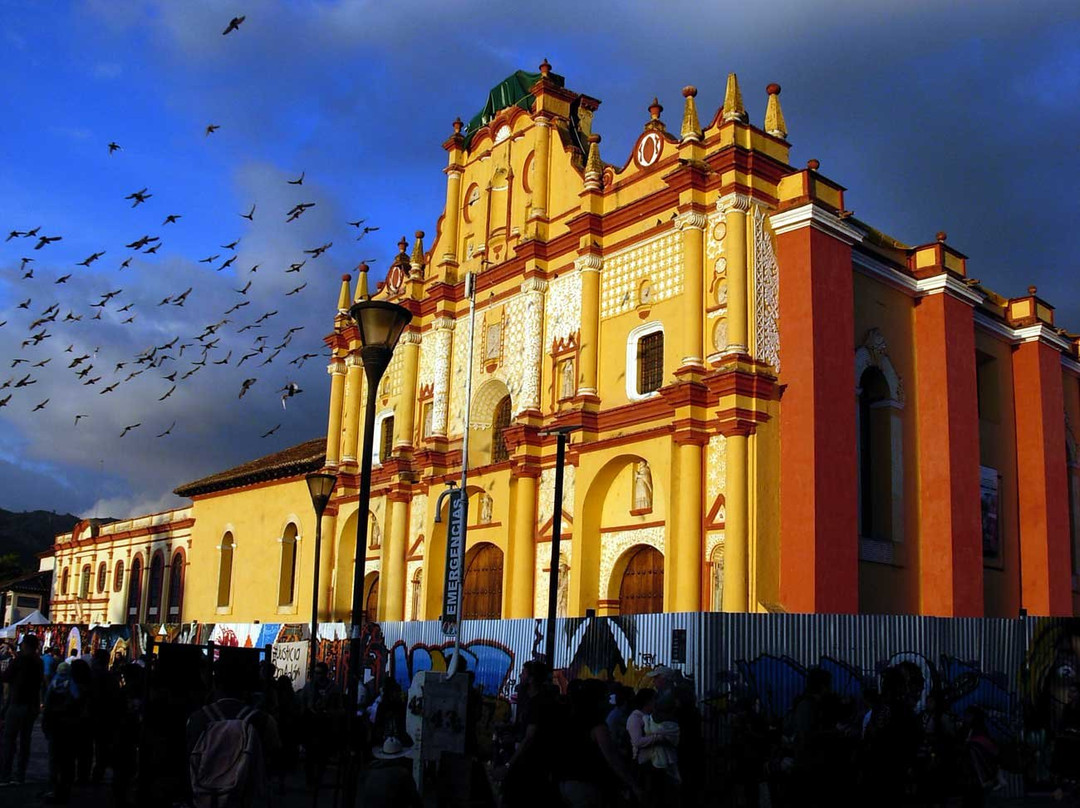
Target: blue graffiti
490, 663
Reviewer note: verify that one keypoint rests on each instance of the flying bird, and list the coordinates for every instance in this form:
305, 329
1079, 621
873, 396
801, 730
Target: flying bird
365, 231
250, 215
43, 240
125, 263
77, 417
289, 390
25, 304
255, 268
109, 389
270, 432
15, 234
40, 406
129, 428
298, 181
179, 299
62, 279
224, 361
28, 274
4, 401
357, 223
139, 243
230, 246
42, 363
246, 386
152, 250
167, 431
171, 389
211, 129
91, 259
171, 218
139, 197
114, 147
297, 289
93, 380
319, 250
209, 259
296, 267
234, 25
227, 264
25, 381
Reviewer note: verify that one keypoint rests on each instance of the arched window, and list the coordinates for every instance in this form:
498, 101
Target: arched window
644, 361
225, 564
875, 457
157, 581
287, 573
499, 422
642, 587
65, 580
118, 577
134, 590
102, 573
176, 587
482, 598
84, 582
417, 587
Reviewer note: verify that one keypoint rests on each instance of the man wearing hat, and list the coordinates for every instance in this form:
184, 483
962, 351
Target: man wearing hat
387, 782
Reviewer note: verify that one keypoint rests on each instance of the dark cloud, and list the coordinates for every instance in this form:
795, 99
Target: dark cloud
957, 118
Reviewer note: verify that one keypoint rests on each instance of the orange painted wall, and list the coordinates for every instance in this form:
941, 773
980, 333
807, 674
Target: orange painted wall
997, 450
818, 488
1040, 454
950, 524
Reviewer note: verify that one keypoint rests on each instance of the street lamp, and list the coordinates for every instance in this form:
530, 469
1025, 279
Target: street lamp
320, 484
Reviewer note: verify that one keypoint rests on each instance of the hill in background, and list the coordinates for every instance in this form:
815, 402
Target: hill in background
28, 533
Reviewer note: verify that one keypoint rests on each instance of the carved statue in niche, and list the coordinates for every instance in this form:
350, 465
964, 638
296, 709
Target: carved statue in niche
486, 504
564, 588
643, 488
567, 382
374, 535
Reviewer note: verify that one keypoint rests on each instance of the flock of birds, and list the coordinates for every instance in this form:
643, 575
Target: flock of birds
174, 361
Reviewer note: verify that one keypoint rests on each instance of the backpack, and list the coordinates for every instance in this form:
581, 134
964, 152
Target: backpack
226, 765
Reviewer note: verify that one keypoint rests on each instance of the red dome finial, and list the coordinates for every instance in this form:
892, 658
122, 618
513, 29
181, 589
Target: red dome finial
813, 165
773, 89
545, 68
655, 108
689, 91
941, 236
457, 126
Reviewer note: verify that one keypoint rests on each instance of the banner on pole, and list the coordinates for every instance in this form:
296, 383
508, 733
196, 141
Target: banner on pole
455, 534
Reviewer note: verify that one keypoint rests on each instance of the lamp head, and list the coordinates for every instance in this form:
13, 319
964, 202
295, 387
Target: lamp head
380, 323
320, 486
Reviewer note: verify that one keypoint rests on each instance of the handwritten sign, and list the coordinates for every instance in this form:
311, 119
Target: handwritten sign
455, 534
290, 659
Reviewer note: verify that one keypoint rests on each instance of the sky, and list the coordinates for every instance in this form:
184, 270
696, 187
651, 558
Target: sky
959, 117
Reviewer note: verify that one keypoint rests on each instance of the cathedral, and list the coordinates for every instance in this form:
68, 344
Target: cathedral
776, 407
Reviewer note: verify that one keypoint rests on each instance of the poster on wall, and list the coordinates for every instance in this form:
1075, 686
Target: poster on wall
290, 659
990, 500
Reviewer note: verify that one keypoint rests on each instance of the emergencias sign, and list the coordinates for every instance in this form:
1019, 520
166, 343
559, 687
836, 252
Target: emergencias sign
455, 536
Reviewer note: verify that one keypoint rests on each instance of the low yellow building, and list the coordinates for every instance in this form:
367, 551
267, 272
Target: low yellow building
777, 407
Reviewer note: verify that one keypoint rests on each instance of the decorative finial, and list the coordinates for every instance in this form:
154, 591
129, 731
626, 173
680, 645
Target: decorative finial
457, 125
402, 244
691, 127
343, 295
941, 236
545, 68
774, 116
654, 122
361, 283
733, 103
594, 166
416, 261
1033, 289
813, 165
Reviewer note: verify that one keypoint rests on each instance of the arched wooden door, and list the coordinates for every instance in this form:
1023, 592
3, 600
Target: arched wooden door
483, 584
642, 587
371, 603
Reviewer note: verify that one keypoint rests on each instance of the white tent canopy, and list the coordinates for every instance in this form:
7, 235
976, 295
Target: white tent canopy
35, 618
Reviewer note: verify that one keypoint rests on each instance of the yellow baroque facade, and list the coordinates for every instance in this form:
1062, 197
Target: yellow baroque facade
777, 407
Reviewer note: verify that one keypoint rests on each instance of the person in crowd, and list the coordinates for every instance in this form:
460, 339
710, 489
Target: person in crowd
616, 719
204, 756
653, 748
50, 659
891, 742
127, 721
529, 780
590, 771
63, 721
23, 678
980, 763
321, 705
288, 718
103, 708
387, 780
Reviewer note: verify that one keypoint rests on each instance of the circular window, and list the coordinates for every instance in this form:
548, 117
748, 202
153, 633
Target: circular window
649, 149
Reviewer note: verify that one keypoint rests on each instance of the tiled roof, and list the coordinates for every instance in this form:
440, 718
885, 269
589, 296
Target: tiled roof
304, 457
36, 583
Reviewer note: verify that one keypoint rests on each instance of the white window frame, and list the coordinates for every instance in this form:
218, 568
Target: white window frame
376, 444
632, 340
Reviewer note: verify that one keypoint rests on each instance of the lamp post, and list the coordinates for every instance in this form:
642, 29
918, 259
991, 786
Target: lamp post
562, 437
380, 324
320, 485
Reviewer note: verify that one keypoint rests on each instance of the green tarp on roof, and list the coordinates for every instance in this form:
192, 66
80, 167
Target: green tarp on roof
511, 91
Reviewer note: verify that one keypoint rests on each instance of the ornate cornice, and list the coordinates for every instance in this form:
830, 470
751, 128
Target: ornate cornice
336, 367
443, 323
410, 338
947, 283
353, 360
735, 201
589, 262
817, 217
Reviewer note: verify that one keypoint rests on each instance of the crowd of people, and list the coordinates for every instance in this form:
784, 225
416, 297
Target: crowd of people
603, 744
174, 729
178, 730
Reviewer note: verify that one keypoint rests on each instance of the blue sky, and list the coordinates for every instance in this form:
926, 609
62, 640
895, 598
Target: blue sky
960, 119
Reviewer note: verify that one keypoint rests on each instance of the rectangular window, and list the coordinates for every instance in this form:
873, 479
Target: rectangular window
387, 442
27, 602
650, 360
